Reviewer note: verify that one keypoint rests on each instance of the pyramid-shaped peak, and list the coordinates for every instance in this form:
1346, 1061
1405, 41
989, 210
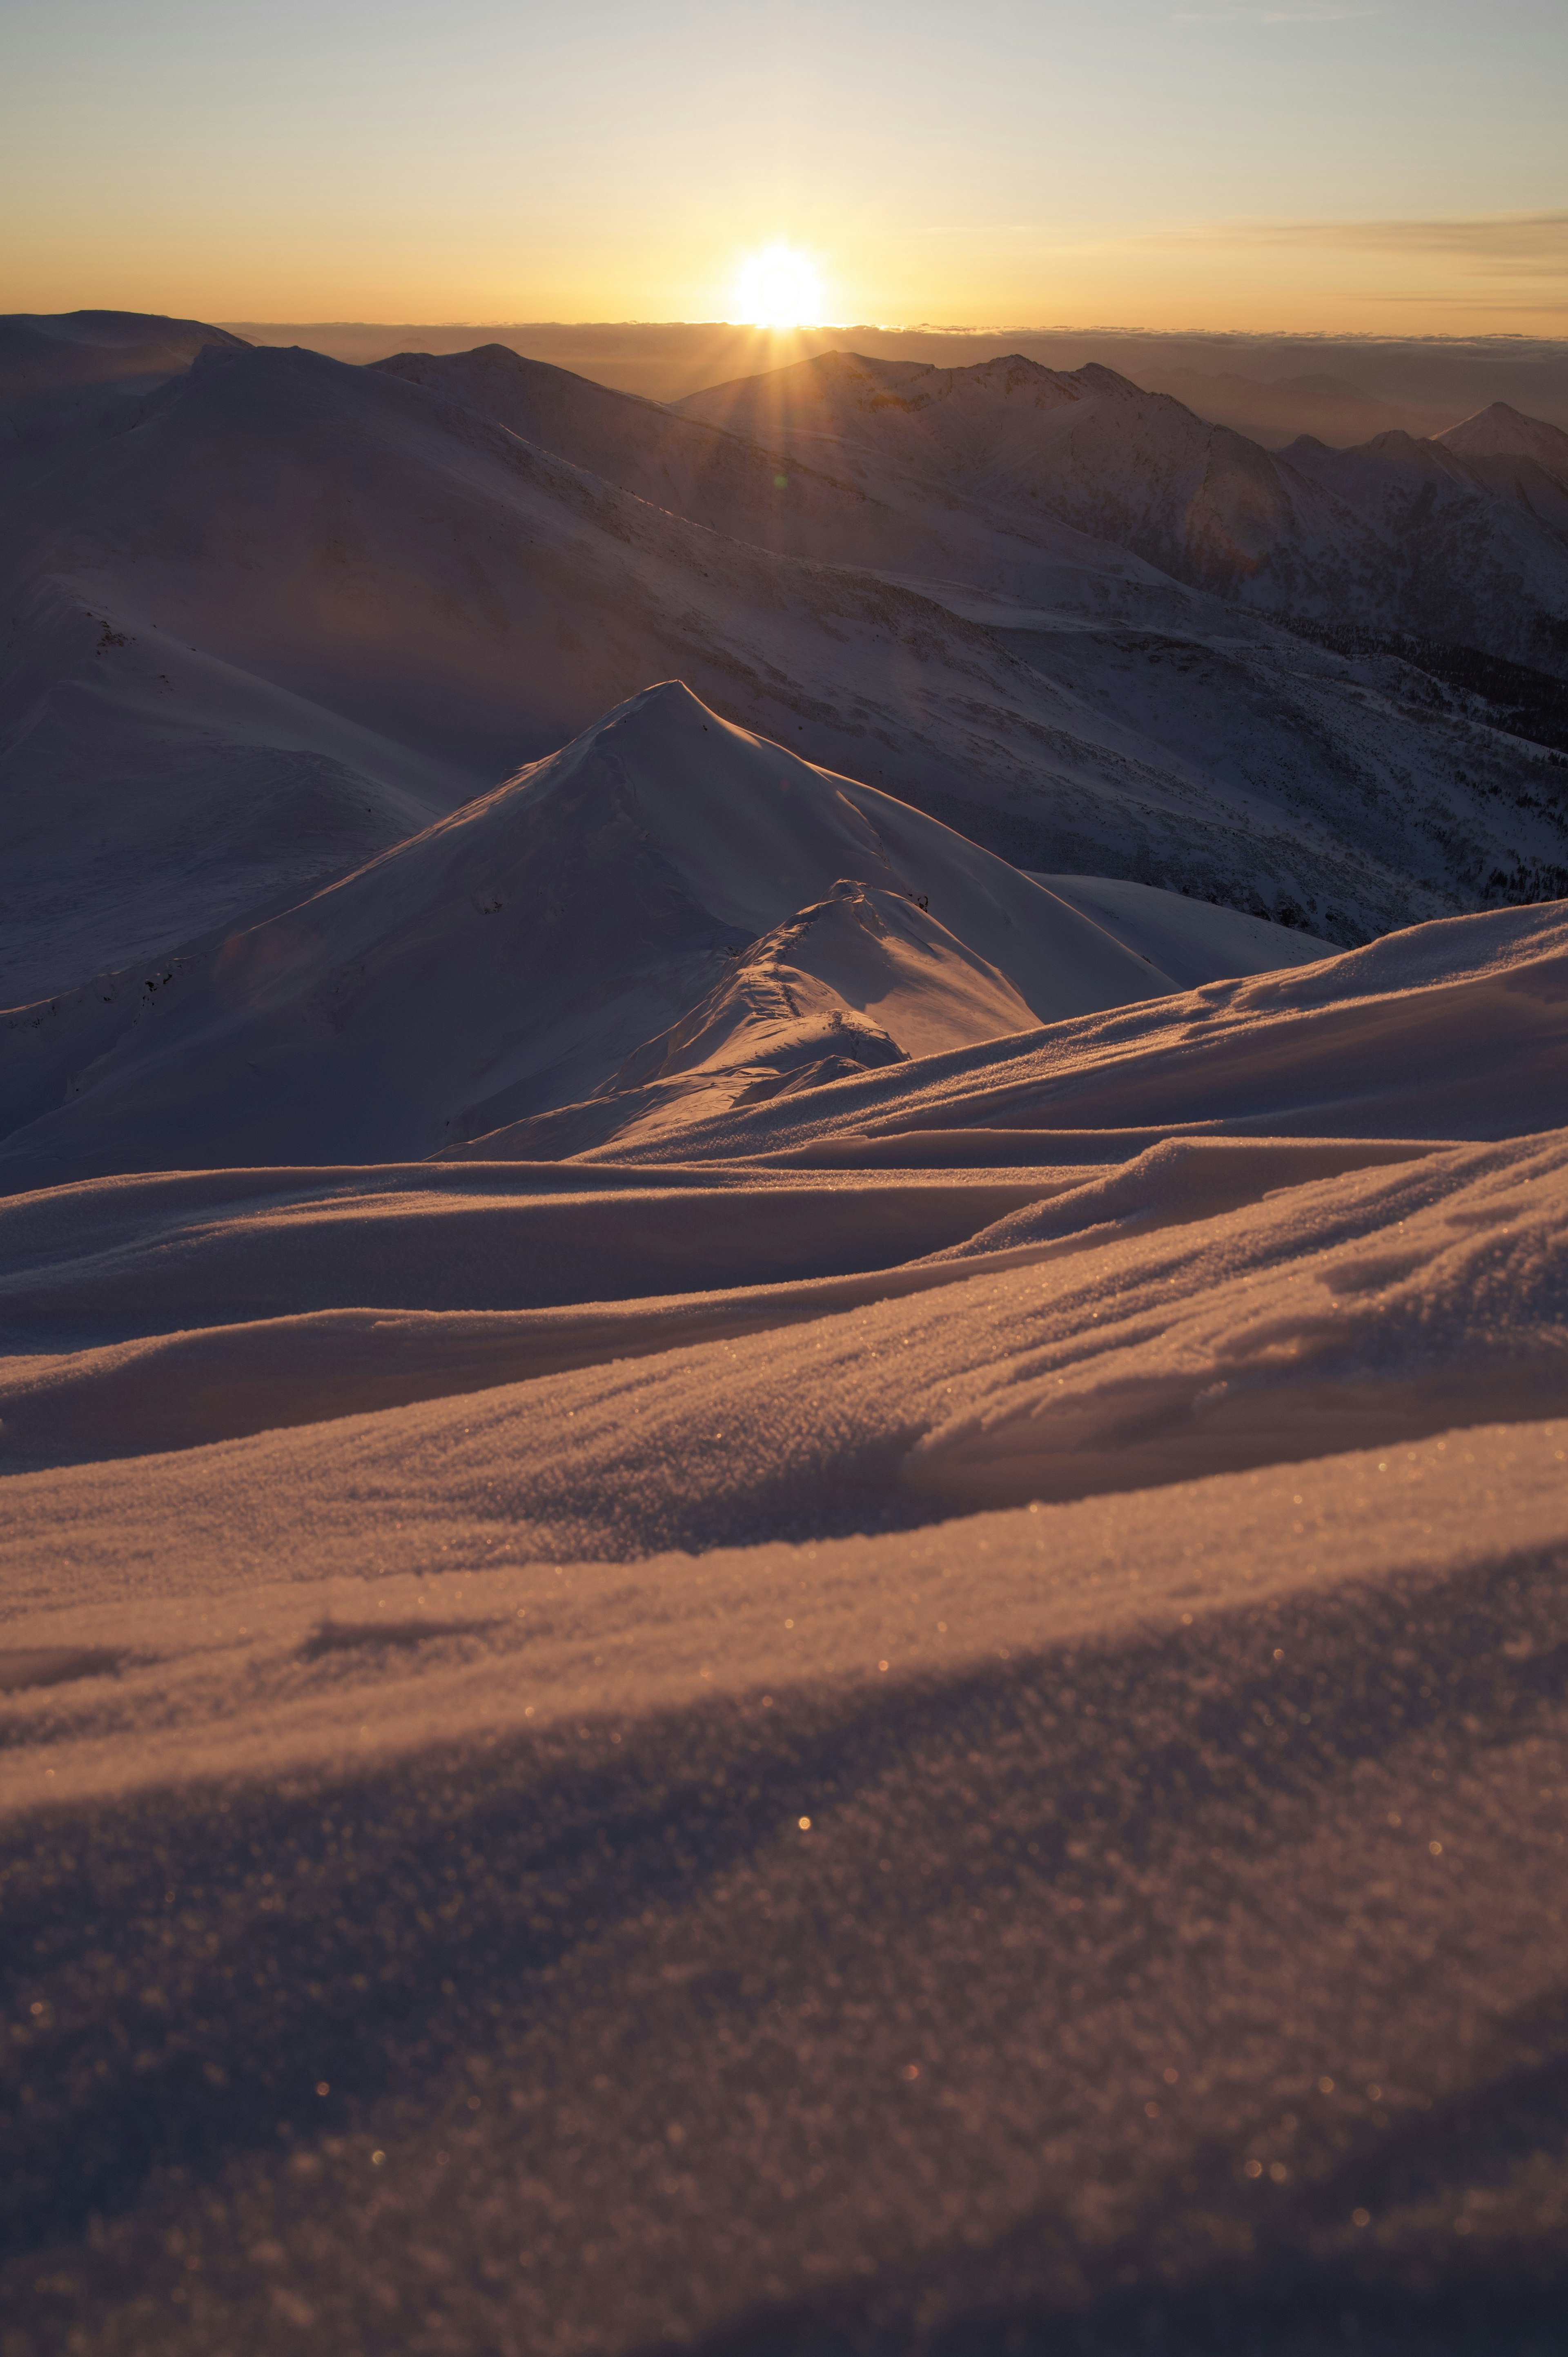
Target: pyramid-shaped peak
1497, 416
666, 695
1395, 447
1500, 431
1100, 379
1001, 362
666, 709
659, 734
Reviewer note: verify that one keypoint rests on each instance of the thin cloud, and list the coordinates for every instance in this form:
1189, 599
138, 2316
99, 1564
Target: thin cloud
987, 229
1306, 15
1495, 245
1505, 245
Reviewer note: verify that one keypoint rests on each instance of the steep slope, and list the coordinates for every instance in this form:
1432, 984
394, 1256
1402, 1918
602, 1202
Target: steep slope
281, 556
1483, 540
864, 978
1133, 467
920, 532
150, 790
1331, 735
513, 956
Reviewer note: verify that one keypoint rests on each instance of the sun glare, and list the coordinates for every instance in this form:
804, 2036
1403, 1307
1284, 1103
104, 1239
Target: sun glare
779, 288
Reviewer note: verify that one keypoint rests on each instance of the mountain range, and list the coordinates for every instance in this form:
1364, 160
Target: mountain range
270, 614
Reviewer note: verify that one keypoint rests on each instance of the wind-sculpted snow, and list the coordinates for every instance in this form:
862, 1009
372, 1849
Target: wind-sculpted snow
647, 1814
1452, 1030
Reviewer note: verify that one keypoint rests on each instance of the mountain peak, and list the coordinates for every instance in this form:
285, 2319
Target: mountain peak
1500, 431
668, 706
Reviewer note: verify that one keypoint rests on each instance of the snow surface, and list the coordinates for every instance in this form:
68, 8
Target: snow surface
512, 956
625, 1816
1501, 430
1450, 1030
1189, 940
744, 1754
765, 1590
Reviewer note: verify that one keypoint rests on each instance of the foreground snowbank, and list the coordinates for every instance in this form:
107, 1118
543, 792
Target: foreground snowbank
952, 1737
1134, 1917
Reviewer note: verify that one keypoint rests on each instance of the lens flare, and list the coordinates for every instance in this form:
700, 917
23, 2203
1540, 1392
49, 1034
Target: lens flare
779, 288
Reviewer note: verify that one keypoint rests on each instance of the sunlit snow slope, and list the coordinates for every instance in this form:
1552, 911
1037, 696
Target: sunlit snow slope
951, 1738
513, 956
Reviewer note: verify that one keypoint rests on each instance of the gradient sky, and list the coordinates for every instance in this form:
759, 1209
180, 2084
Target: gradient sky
1396, 169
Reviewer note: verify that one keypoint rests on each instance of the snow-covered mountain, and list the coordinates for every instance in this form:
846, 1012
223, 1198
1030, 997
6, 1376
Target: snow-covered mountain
1483, 538
1500, 431
51, 354
698, 471
1301, 532
269, 615
514, 956
1192, 940
1087, 448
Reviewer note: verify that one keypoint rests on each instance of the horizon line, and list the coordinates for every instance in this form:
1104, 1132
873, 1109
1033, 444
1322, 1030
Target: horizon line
926, 327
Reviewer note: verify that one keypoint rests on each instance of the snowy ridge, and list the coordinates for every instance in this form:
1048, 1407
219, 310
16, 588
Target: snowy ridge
514, 955
1500, 431
1450, 1030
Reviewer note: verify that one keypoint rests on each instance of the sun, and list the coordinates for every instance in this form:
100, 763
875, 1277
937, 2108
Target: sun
779, 288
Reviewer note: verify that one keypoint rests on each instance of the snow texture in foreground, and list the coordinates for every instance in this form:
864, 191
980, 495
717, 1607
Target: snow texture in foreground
923, 1714
990, 1935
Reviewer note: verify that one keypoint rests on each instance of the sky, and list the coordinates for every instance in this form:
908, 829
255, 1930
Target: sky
1295, 166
